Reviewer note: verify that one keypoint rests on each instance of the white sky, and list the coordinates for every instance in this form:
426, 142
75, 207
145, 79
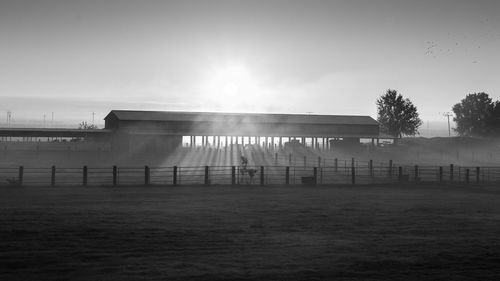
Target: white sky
326, 57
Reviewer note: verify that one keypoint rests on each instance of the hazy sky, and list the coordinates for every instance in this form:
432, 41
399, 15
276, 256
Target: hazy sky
327, 57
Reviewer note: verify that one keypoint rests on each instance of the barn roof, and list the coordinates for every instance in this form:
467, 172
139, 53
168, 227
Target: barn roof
133, 115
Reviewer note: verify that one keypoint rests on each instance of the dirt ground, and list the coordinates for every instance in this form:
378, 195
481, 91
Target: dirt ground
250, 233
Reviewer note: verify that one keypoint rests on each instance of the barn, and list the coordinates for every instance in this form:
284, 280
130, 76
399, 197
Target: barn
165, 130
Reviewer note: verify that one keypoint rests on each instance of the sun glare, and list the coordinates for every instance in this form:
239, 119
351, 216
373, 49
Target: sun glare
229, 81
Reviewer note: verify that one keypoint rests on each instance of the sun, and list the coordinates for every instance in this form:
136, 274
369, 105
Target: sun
230, 80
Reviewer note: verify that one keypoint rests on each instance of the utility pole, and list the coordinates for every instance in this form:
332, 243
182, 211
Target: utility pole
448, 114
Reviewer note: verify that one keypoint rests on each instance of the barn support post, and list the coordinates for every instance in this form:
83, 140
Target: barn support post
276, 158
287, 175
115, 175
207, 179
477, 174
175, 176
370, 167
305, 161
85, 174
390, 168
53, 176
451, 172
146, 175
319, 161
262, 175
233, 175
20, 175
280, 142
400, 173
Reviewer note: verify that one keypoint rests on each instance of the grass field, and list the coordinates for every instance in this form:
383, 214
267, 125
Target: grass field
250, 233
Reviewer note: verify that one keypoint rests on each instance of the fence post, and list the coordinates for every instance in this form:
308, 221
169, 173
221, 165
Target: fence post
451, 172
305, 161
477, 174
21, 175
53, 176
353, 174
175, 175
146, 175
467, 176
416, 172
84, 175
261, 175
319, 161
440, 174
287, 175
370, 167
315, 173
390, 168
207, 180
400, 173
233, 175
115, 175
336, 165
276, 158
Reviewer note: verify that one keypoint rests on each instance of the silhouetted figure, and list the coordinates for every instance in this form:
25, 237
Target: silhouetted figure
244, 161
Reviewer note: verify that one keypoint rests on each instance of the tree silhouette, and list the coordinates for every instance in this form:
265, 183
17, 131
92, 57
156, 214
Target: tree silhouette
86, 126
476, 115
397, 115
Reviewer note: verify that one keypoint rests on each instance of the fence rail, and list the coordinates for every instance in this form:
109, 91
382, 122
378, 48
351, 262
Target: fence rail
261, 175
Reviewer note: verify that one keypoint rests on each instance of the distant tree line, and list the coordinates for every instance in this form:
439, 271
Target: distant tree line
477, 115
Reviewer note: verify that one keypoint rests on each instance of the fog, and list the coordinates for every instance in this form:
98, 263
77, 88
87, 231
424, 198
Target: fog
409, 151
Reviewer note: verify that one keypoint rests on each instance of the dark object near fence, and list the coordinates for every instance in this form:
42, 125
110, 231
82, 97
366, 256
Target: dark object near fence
13, 182
308, 180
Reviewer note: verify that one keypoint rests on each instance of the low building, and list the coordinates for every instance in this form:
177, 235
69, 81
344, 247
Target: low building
155, 131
